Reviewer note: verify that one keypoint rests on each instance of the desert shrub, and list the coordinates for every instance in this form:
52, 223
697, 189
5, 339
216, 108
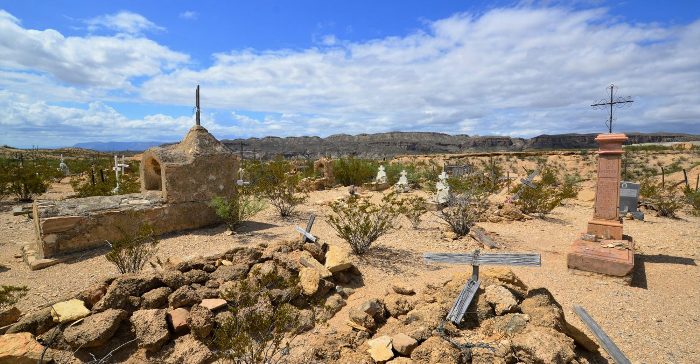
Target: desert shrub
548, 193
128, 182
25, 179
9, 295
692, 197
360, 222
413, 208
353, 171
463, 211
664, 199
393, 173
275, 182
262, 326
570, 186
238, 208
131, 253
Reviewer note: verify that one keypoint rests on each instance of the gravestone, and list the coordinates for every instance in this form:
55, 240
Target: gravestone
306, 236
443, 189
629, 199
402, 185
381, 176
595, 251
476, 259
63, 167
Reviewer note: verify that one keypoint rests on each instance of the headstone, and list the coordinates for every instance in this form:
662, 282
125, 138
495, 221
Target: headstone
458, 170
476, 259
595, 251
63, 167
241, 181
629, 199
381, 175
443, 189
402, 184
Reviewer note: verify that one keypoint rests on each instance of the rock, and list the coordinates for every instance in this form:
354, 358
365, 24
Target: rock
133, 284
309, 279
93, 294
195, 276
500, 276
501, 299
307, 320
403, 289
397, 304
543, 345
400, 360
189, 350
173, 278
511, 212
95, 330
226, 262
403, 344
244, 255
156, 298
151, 328
36, 323
177, 319
200, 321
337, 259
36, 264
543, 309
68, 311
580, 337
437, 350
234, 272
9, 316
308, 261
333, 304
315, 250
212, 284
21, 348
183, 296
208, 268
207, 293
368, 314
380, 348
507, 325
213, 304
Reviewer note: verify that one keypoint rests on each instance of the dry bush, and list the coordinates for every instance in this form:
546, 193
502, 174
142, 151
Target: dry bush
413, 208
693, 199
548, 193
664, 199
261, 327
9, 295
238, 208
131, 253
463, 211
276, 182
360, 222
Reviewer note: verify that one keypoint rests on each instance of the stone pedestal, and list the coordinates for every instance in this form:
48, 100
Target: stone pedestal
602, 249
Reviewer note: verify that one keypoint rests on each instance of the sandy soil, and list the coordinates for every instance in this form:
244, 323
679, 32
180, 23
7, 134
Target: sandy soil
654, 320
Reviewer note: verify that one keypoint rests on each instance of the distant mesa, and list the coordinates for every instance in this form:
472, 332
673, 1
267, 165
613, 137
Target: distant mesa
118, 146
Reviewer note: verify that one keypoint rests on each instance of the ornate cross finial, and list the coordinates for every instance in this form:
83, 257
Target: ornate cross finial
619, 102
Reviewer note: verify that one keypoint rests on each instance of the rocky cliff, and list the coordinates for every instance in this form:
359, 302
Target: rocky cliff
386, 145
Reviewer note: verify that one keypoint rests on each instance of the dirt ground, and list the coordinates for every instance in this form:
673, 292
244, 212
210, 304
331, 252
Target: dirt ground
653, 321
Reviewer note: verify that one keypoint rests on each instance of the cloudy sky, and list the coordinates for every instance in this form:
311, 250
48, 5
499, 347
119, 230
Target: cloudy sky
84, 71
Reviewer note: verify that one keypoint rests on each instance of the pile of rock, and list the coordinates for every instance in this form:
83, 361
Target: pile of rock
170, 315
505, 212
506, 323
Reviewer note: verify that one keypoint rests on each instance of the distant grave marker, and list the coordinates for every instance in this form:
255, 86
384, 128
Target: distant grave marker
526, 182
306, 235
458, 170
475, 259
629, 199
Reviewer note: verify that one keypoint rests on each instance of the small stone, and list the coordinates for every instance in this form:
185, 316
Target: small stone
226, 262
403, 344
178, 319
403, 289
309, 279
189, 350
156, 298
9, 316
68, 311
173, 278
201, 322
306, 260
42, 263
21, 348
213, 303
196, 276
380, 348
337, 259
95, 330
151, 328
501, 299
183, 296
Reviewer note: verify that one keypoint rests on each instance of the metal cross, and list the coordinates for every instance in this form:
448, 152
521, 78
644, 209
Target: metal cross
475, 259
197, 104
527, 182
306, 235
619, 101
600, 335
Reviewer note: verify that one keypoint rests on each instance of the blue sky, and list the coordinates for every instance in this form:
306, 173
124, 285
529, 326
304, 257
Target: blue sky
76, 71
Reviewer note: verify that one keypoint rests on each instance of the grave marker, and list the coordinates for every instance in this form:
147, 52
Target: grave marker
458, 170
602, 337
476, 259
526, 182
306, 235
629, 198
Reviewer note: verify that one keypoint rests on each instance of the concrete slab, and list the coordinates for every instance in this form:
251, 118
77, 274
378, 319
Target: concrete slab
595, 257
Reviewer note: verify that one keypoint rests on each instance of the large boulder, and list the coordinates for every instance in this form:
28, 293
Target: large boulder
95, 330
189, 350
151, 328
436, 350
21, 348
543, 345
200, 321
337, 259
183, 296
36, 323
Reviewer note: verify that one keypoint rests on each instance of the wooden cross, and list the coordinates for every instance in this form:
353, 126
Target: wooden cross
118, 167
475, 259
306, 235
527, 182
619, 101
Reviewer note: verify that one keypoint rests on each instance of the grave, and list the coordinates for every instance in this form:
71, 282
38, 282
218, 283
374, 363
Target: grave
177, 183
442, 195
526, 182
402, 185
629, 200
458, 170
603, 248
324, 167
380, 182
476, 259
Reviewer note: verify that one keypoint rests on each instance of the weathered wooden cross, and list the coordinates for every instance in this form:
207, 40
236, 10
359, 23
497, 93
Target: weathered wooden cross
118, 167
476, 259
602, 338
527, 182
306, 235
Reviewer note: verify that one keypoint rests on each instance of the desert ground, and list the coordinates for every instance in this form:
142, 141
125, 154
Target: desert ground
654, 320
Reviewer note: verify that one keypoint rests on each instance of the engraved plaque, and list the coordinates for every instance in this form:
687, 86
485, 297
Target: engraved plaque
608, 166
606, 199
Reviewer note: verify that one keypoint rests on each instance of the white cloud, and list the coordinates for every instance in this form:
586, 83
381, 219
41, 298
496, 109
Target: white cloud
107, 62
124, 22
189, 15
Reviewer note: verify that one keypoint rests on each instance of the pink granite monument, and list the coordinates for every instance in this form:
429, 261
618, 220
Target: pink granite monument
603, 248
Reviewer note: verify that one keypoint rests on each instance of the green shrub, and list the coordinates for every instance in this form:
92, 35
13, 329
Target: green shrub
693, 199
548, 193
262, 326
360, 222
25, 179
276, 182
9, 295
352, 171
463, 211
131, 253
237, 209
413, 208
664, 199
